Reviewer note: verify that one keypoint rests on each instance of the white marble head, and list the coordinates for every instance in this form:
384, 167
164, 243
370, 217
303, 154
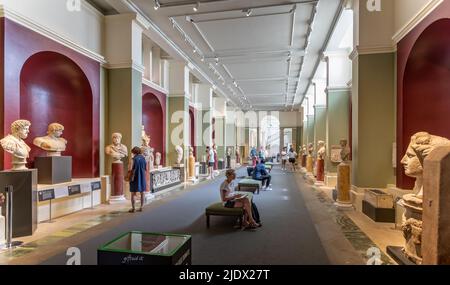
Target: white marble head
179, 151
116, 138
20, 129
55, 130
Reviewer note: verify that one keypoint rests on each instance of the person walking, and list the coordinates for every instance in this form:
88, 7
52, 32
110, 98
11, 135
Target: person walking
284, 158
211, 161
137, 170
292, 158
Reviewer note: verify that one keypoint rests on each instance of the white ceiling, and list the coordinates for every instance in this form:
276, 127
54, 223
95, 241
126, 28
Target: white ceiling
259, 60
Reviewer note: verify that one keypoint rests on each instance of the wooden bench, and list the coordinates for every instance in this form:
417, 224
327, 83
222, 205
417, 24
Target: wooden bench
218, 209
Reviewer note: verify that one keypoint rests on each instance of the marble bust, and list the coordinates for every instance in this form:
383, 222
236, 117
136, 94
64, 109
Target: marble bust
147, 150
179, 151
158, 159
53, 143
14, 144
322, 150
117, 151
345, 151
419, 148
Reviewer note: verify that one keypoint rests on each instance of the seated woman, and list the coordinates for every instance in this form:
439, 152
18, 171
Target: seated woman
231, 200
260, 173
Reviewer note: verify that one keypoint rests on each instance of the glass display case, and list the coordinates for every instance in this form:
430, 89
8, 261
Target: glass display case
138, 248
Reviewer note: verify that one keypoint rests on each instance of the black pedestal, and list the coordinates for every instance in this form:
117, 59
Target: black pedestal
228, 162
378, 214
396, 252
203, 168
24, 200
54, 169
221, 164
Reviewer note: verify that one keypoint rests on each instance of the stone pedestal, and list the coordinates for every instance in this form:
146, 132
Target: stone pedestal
320, 166
343, 186
25, 200
117, 181
203, 168
304, 157
412, 232
228, 162
191, 169
54, 169
221, 164
147, 178
309, 164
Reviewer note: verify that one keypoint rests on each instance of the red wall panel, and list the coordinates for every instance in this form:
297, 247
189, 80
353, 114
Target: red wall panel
20, 44
154, 118
423, 77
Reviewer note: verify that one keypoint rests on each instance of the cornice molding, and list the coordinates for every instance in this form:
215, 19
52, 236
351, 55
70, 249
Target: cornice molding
417, 19
178, 94
126, 64
31, 25
338, 89
371, 50
155, 86
321, 106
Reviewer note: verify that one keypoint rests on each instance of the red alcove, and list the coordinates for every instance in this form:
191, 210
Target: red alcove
426, 87
192, 129
54, 89
153, 121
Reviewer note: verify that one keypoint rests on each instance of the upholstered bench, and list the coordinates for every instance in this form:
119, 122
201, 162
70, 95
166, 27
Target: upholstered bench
218, 209
250, 185
269, 166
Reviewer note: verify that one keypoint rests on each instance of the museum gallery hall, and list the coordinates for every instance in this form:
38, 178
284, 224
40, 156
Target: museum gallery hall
224, 132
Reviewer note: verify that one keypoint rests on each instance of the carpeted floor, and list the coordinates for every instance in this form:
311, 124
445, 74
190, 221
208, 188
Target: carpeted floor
288, 235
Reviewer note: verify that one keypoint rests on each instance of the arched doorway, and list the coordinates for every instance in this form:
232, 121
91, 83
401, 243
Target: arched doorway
426, 85
153, 121
53, 88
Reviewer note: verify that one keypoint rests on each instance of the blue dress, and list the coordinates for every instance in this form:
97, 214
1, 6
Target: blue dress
138, 184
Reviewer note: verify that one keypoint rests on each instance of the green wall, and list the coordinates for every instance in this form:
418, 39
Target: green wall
373, 119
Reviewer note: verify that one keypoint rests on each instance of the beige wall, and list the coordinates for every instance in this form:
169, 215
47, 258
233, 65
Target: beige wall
406, 10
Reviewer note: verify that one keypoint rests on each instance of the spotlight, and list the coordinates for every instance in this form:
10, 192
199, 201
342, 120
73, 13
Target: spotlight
248, 12
203, 59
196, 7
157, 5
195, 50
217, 61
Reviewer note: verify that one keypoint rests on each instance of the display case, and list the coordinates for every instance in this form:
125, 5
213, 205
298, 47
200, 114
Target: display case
138, 248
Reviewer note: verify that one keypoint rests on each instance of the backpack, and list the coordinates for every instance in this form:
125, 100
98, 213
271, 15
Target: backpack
255, 213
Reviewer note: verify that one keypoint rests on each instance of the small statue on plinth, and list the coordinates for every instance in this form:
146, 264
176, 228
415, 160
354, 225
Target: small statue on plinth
238, 156
117, 151
15, 145
343, 178
179, 151
419, 148
158, 160
53, 143
191, 168
345, 151
147, 152
320, 163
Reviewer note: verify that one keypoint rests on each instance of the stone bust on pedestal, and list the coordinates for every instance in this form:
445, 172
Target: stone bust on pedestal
147, 151
15, 145
179, 151
53, 143
117, 151
419, 148
345, 151
158, 159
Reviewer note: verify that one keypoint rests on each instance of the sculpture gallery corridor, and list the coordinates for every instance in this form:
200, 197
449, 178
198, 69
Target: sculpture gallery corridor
240, 133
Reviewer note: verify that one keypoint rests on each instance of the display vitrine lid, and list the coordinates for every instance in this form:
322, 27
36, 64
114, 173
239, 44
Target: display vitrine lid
147, 243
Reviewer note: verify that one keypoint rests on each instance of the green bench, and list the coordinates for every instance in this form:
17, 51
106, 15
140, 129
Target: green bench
218, 209
249, 185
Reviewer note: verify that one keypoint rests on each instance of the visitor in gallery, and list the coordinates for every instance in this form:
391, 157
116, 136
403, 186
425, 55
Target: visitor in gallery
253, 156
231, 199
284, 158
262, 154
260, 173
137, 172
292, 158
211, 161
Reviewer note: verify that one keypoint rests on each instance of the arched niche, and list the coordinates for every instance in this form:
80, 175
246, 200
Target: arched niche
426, 88
153, 121
53, 88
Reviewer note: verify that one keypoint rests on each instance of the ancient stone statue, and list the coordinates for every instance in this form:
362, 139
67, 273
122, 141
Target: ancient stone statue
117, 151
14, 144
158, 159
322, 150
419, 148
345, 151
147, 151
53, 143
310, 148
179, 151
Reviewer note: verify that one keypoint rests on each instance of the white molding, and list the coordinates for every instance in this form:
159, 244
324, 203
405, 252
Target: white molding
126, 64
371, 50
155, 86
336, 53
178, 94
321, 106
31, 25
338, 89
416, 19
